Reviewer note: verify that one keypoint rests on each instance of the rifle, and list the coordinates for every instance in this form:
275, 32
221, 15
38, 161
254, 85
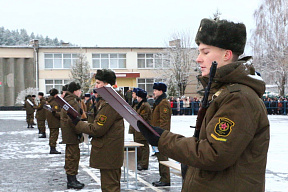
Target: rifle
205, 103
202, 111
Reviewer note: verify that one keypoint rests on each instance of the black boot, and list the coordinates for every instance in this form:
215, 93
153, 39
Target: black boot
54, 151
73, 183
28, 126
43, 135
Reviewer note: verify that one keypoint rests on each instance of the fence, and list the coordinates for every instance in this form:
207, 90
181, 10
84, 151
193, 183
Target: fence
273, 108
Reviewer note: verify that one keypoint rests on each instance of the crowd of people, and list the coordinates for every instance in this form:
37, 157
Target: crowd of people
276, 105
234, 130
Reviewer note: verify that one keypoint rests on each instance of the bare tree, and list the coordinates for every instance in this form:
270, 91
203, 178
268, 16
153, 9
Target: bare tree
180, 62
270, 42
80, 72
22, 95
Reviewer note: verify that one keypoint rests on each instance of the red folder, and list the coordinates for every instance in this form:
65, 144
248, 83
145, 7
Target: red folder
123, 108
67, 107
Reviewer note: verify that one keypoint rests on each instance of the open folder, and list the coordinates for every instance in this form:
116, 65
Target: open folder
123, 108
67, 107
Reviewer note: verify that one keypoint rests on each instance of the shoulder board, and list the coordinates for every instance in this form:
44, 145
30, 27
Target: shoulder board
234, 88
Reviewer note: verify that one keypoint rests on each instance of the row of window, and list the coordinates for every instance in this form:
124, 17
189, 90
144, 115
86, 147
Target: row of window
106, 60
146, 84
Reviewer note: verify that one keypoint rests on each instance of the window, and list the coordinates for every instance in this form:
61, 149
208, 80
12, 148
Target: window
108, 61
59, 60
152, 60
147, 84
55, 83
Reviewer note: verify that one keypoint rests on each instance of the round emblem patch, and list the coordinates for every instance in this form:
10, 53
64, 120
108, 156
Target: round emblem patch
101, 120
165, 110
224, 127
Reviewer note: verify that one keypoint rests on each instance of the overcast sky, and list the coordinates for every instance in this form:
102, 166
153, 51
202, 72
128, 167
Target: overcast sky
119, 23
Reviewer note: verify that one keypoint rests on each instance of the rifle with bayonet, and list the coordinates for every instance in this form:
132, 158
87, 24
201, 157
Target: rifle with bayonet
202, 111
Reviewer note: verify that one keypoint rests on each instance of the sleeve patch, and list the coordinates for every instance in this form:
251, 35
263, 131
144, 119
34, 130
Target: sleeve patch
165, 110
142, 112
217, 138
56, 107
224, 127
101, 120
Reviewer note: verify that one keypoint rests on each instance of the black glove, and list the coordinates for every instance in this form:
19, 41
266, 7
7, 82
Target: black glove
74, 120
81, 111
151, 138
54, 113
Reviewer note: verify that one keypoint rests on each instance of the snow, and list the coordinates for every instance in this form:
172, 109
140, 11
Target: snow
277, 165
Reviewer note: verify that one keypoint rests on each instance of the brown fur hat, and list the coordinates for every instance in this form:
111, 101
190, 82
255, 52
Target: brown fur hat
223, 34
106, 75
73, 86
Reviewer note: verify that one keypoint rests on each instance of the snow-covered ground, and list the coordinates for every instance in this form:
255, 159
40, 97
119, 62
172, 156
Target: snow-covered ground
277, 166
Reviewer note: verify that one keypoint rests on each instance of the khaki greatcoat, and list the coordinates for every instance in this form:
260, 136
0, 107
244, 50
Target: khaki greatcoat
108, 137
231, 152
53, 119
69, 133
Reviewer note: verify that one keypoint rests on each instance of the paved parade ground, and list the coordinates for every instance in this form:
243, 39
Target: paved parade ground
26, 164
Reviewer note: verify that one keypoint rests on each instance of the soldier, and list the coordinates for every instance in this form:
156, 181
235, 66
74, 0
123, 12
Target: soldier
107, 131
53, 119
230, 153
84, 109
128, 96
134, 98
71, 137
34, 103
88, 105
41, 115
144, 110
161, 117
63, 92
131, 130
28, 105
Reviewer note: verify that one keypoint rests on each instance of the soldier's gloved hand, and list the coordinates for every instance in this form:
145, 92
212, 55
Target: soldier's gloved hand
74, 120
54, 113
151, 138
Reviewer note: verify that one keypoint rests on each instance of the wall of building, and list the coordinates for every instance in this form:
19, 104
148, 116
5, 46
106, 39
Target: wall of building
16, 74
18, 69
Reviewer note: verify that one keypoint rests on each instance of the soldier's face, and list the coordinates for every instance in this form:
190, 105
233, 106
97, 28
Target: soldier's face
157, 93
139, 99
134, 95
77, 92
100, 84
208, 54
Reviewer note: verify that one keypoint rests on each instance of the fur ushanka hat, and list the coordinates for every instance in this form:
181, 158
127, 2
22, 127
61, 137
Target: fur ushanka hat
223, 34
106, 75
141, 93
53, 92
160, 86
73, 87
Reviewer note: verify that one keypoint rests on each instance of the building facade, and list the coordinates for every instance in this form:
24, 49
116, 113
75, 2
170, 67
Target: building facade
50, 67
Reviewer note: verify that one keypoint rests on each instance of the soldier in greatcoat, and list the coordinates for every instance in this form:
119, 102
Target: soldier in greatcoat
41, 115
107, 130
230, 153
144, 110
131, 130
161, 117
71, 137
53, 120
28, 105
